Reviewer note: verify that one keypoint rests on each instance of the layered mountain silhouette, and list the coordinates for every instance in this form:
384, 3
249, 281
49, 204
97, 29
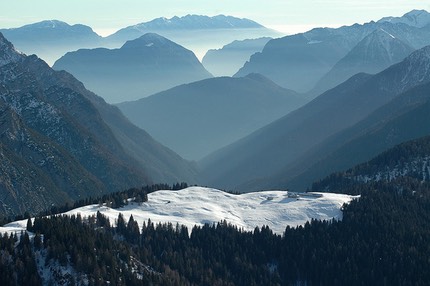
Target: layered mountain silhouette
374, 53
51, 39
230, 58
195, 32
299, 61
201, 117
272, 149
60, 142
139, 68
404, 118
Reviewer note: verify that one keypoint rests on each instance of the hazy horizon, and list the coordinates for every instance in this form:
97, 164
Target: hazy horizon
106, 17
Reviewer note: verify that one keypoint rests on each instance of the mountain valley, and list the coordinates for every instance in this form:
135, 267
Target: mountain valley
213, 150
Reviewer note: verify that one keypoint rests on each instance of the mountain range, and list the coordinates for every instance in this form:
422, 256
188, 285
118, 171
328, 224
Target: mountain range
201, 117
141, 67
188, 22
196, 32
299, 61
51, 39
272, 149
60, 142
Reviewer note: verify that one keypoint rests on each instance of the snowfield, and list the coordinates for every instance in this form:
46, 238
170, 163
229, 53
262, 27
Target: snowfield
198, 205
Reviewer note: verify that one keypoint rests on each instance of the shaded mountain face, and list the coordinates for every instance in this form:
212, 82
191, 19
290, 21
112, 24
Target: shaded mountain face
299, 61
139, 68
51, 39
199, 118
374, 53
56, 145
196, 32
273, 148
404, 118
230, 58
409, 159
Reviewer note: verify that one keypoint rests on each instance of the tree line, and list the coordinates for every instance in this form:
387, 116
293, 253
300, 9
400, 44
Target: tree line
382, 240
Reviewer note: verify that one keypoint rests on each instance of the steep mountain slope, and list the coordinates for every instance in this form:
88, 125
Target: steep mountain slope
299, 61
36, 172
230, 58
139, 68
58, 139
404, 118
409, 159
374, 53
51, 39
271, 149
199, 118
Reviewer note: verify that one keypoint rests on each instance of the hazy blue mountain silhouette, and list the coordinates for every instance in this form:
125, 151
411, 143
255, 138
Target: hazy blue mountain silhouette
51, 39
230, 58
141, 67
299, 61
273, 148
197, 118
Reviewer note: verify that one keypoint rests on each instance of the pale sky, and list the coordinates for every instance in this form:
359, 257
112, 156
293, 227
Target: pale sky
288, 16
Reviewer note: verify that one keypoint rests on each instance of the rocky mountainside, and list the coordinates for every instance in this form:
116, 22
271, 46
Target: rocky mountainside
297, 62
58, 143
51, 39
230, 58
139, 68
374, 53
273, 148
201, 117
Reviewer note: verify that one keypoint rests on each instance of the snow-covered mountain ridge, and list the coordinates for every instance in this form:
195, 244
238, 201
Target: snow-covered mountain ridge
198, 205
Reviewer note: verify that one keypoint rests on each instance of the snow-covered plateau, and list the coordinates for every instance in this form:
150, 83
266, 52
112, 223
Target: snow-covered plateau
198, 205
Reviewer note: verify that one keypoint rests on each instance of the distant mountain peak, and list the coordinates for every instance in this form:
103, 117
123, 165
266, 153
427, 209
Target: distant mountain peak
192, 21
381, 45
148, 40
415, 18
8, 53
46, 24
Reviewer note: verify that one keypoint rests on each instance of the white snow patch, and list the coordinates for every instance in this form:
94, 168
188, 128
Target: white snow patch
149, 45
198, 205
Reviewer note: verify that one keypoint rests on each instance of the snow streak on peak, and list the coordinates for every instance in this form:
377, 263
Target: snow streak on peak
197, 206
387, 33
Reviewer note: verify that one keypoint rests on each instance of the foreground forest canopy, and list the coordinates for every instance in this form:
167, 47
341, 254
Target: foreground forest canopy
382, 240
